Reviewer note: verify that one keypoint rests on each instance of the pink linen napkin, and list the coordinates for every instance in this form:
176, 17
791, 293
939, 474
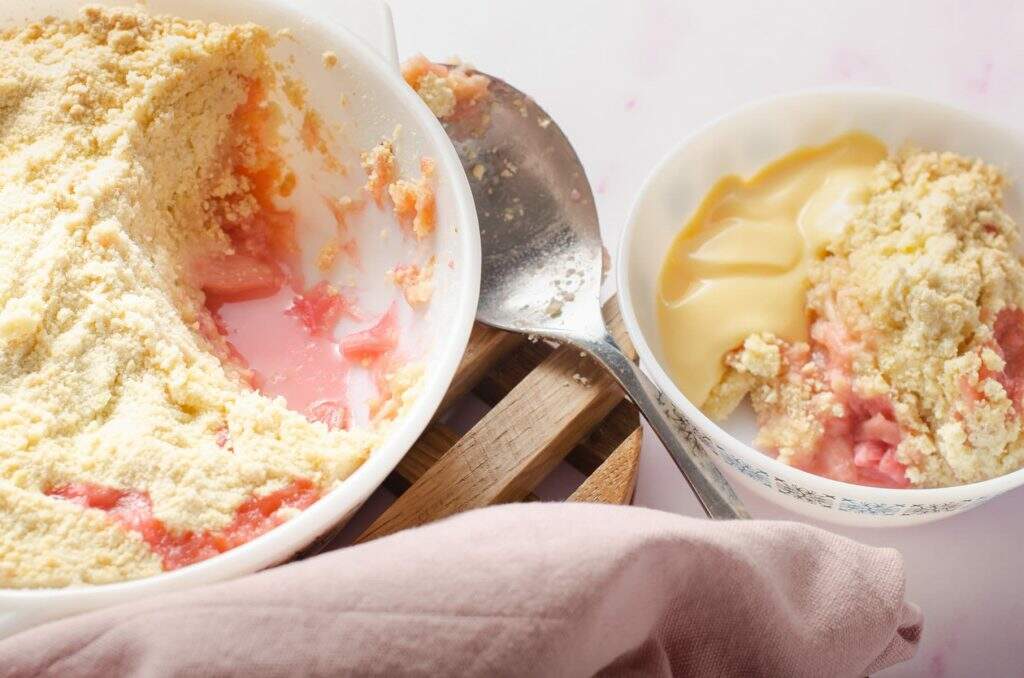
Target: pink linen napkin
526, 589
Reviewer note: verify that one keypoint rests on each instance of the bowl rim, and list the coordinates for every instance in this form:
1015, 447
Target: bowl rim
987, 488
339, 503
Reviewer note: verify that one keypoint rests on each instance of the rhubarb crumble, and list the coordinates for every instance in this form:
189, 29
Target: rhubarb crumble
139, 204
911, 369
415, 281
449, 91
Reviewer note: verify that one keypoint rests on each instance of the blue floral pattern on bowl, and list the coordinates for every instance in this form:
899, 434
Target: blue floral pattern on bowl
705, 446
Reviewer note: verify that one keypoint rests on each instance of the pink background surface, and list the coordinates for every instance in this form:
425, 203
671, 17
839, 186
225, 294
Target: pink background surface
628, 80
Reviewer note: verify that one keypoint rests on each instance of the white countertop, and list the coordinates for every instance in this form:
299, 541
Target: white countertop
628, 80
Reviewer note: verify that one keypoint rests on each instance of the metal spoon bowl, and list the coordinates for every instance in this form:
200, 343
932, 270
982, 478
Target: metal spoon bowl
542, 259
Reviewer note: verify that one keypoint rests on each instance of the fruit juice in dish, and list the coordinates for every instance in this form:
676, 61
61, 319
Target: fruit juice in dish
173, 381
867, 304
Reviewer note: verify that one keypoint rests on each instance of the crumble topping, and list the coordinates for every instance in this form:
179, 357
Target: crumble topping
914, 371
328, 255
415, 281
130, 145
447, 91
414, 200
315, 136
381, 169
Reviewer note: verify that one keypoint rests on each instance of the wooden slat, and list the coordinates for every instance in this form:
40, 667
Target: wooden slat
586, 457
593, 449
507, 370
615, 479
606, 437
430, 447
516, 444
486, 347
511, 449
511, 370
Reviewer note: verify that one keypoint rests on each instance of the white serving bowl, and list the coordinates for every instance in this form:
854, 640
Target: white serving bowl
377, 99
740, 143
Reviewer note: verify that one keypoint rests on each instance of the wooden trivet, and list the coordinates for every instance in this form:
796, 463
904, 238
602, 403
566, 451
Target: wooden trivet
548, 404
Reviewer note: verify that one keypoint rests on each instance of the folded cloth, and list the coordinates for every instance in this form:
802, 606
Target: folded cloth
526, 589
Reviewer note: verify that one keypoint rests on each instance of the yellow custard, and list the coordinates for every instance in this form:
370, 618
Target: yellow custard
739, 265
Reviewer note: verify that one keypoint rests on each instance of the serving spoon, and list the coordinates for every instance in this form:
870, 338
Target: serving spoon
543, 258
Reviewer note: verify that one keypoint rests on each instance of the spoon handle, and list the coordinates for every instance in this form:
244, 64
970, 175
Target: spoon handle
709, 485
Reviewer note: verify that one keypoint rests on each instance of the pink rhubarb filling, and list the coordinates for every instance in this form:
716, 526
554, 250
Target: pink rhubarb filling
860, 446
134, 511
262, 321
1009, 339
260, 317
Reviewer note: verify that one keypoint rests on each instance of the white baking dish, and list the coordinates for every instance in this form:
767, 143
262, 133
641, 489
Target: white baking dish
377, 100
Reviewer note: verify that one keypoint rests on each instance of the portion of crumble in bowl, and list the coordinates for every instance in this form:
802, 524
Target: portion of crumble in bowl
913, 375
139, 200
